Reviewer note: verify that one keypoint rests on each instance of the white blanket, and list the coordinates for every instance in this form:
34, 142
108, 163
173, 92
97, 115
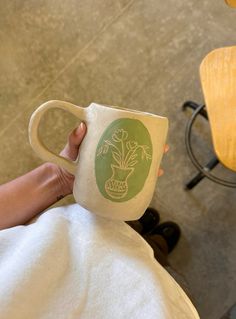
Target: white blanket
72, 264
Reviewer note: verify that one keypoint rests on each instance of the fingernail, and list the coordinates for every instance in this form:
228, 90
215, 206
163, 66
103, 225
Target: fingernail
80, 128
166, 148
160, 172
82, 125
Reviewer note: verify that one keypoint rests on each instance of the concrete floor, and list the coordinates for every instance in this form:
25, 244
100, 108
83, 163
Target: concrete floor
137, 54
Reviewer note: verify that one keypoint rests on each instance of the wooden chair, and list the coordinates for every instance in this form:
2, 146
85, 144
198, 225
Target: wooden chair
218, 79
231, 3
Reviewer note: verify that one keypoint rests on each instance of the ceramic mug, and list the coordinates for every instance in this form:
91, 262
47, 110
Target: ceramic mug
116, 170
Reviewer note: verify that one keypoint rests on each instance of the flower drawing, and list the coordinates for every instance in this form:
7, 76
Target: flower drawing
119, 135
124, 151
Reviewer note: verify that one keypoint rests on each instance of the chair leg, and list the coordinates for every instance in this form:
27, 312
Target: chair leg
197, 178
193, 105
194, 181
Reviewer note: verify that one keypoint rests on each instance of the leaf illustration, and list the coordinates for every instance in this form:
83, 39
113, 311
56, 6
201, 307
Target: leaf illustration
133, 156
108, 142
143, 154
125, 135
132, 163
105, 149
127, 156
100, 151
131, 145
148, 156
116, 157
120, 135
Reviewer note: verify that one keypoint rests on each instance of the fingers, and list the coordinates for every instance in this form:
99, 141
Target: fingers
166, 148
74, 140
161, 171
76, 137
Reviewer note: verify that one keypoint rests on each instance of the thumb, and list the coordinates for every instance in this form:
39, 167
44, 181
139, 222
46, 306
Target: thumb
75, 138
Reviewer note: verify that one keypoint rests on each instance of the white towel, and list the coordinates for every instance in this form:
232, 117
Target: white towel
72, 264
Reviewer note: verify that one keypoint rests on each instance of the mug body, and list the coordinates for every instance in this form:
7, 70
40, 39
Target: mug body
118, 162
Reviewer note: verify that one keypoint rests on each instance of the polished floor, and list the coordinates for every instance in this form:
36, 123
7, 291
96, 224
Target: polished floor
137, 54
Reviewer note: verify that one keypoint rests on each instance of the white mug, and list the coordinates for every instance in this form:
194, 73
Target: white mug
116, 170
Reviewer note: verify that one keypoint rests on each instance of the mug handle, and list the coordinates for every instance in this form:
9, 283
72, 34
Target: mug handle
38, 146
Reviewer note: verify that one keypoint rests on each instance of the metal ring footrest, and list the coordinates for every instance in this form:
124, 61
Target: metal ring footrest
193, 158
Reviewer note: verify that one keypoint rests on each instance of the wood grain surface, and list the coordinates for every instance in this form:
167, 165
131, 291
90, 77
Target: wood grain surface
218, 78
231, 3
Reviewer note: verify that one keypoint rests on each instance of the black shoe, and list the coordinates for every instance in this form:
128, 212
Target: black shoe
149, 220
170, 231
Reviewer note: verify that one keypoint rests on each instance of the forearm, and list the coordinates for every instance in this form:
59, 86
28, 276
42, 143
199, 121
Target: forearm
28, 195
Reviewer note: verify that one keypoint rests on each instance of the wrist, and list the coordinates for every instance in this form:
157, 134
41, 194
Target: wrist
61, 184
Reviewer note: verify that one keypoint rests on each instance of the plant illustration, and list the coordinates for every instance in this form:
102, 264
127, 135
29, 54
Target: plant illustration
124, 152
125, 157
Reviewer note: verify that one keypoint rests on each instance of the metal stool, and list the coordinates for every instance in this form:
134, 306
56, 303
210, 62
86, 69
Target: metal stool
204, 171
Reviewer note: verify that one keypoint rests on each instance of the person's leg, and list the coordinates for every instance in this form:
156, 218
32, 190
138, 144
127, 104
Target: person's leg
162, 238
147, 222
159, 247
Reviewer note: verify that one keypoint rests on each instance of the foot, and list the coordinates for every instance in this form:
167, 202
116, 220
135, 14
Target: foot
149, 220
170, 231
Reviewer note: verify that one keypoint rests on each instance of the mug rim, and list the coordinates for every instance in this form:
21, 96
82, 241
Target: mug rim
123, 109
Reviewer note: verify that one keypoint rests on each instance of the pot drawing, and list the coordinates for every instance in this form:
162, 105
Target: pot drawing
125, 155
117, 186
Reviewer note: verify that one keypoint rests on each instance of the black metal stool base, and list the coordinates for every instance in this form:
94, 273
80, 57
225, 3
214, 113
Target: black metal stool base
196, 179
204, 171
192, 105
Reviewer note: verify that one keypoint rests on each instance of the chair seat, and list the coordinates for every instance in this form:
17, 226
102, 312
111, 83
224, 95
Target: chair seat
218, 79
231, 3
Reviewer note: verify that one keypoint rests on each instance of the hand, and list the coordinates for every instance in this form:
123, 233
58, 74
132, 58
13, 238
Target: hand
71, 151
40, 188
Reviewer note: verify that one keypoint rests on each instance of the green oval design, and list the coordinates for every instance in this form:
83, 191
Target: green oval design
123, 159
